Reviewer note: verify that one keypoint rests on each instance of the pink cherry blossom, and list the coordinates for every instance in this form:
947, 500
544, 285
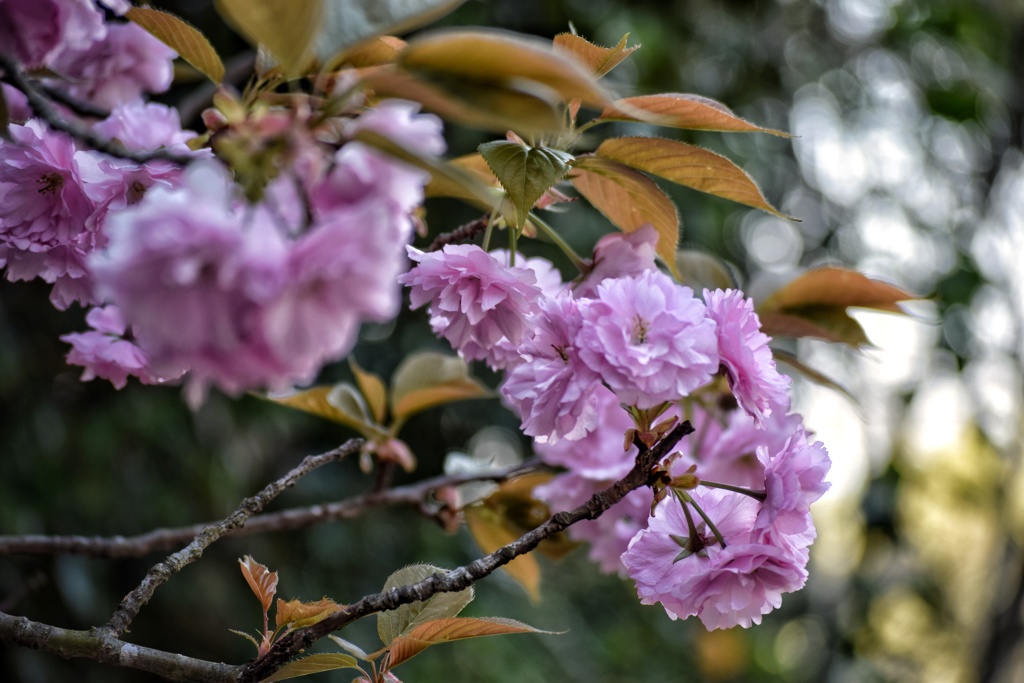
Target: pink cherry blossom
648, 339
33, 31
693, 575
105, 352
474, 300
617, 255
555, 393
794, 478
118, 68
744, 352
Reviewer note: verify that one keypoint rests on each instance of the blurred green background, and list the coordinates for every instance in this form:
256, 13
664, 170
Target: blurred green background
907, 165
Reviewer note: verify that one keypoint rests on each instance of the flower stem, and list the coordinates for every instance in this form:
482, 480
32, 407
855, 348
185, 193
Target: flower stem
560, 243
757, 495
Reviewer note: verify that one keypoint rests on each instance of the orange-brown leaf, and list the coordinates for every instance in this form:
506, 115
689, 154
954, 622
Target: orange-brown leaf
373, 390
491, 531
285, 28
687, 165
494, 56
181, 37
598, 59
261, 580
630, 200
373, 52
298, 614
680, 110
832, 286
408, 645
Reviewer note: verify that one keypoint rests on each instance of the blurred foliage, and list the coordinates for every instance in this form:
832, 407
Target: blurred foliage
908, 167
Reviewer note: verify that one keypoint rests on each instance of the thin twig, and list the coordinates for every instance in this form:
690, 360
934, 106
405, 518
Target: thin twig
463, 577
45, 110
463, 233
162, 571
112, 547
73, 103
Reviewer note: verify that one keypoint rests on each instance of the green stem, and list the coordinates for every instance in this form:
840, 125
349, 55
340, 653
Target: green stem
757, 495
577, 261
711, 525
512, 234
489, 231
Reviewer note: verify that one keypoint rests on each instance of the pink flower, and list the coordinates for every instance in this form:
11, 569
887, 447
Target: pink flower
556, 394
193, 279
725, 587
44, 210
599, 454
18, 110
648, 339
33, 31
145, 126
744, 352
105, 352
617, 255
794, 478
401, 122
609, 534
118, 68
474, 300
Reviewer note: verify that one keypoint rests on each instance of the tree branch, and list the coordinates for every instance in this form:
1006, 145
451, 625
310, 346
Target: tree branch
462, 577
108, 649
113, 547
45, 110
163, 571
463, 233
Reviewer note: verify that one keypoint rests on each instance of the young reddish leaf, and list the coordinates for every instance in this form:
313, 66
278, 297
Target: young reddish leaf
598, 59
348, 23
430, 633
680, 110
519, 105
340, 403
687, 165
373, 390
699, 269
313, 664
832, 286
298, 614
630, 200
397, 622
490, 530
427, 379
815, 376
373, 52
284, 27
525, 172
261, 580
187, 41
500, 57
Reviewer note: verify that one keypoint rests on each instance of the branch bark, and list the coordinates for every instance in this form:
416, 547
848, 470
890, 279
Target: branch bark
112, 547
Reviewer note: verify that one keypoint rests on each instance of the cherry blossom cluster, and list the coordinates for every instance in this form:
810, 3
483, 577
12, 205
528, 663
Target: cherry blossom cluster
619, 355
186, 276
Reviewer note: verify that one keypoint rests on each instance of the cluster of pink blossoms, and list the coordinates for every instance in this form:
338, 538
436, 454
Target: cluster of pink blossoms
627, 336
187, 277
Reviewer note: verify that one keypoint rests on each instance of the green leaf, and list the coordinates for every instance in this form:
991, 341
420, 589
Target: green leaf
313, 664
346, 23
187, 41
397, 622
286, 28
630, 200
430, 633
373, 390
598, 59
500, 57
526, 173
699, 269
687, 165
514, 105
340, 403
428, 379
679, 110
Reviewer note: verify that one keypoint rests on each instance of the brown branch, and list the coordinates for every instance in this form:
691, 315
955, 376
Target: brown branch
163, 571
45, 110
108, 649
463, 233
462, 577
284, 520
